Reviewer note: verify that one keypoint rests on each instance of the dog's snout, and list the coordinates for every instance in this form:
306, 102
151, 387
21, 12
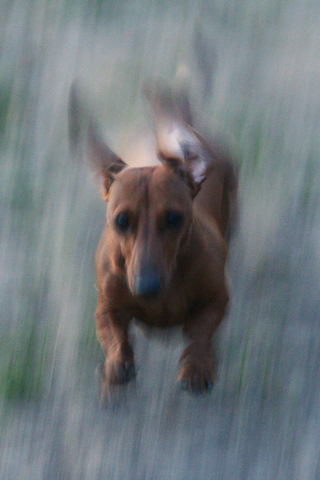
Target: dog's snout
147, 284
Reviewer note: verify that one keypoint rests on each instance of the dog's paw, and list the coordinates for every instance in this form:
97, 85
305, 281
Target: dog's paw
119, 365
119, 373
196, 380
107, 377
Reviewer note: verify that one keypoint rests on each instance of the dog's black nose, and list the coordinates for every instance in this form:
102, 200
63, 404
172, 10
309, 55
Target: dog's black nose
147, 284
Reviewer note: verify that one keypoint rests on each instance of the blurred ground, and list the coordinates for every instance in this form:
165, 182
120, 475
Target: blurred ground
261, 421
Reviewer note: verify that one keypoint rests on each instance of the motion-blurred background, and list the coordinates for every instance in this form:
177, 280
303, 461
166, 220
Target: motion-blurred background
262, 419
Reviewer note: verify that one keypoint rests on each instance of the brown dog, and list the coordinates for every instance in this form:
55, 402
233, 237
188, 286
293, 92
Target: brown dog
161, 258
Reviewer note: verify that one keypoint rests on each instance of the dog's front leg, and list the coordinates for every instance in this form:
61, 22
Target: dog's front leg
112, 333
197, 359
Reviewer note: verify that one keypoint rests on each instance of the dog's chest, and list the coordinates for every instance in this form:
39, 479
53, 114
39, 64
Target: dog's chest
167, 313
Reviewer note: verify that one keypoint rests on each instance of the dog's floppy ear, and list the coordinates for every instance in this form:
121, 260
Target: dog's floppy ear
179, 145
86, 140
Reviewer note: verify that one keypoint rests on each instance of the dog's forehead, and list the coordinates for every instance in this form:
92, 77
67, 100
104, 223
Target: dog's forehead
135, 177
156, 182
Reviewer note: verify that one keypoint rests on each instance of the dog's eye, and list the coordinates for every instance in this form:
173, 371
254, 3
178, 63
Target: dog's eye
123, 221
174, 219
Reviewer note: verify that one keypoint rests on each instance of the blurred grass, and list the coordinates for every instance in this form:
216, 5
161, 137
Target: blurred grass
5, 95
25, 363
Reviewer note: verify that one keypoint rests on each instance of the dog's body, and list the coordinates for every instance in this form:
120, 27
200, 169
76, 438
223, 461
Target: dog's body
161, 258
189, 283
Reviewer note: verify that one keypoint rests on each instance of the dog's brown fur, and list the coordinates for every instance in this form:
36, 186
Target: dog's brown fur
163, 274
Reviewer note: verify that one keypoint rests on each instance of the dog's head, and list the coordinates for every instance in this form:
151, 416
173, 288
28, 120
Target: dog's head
150, 209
